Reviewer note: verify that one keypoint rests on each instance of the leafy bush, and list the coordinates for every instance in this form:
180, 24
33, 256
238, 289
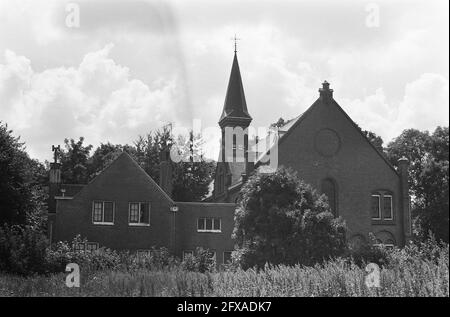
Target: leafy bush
281, 220
155, 259
63, 253
202, 261
22, 250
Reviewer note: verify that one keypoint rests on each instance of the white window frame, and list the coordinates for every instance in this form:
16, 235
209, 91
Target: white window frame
143, 253
139, 224
379, 206
392, 207
91, 244
212, 228
103, 222
186, 253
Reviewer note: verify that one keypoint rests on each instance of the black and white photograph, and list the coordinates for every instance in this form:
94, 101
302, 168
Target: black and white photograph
223, 156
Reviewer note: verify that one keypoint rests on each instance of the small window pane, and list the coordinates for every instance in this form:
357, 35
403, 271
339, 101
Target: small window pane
375, 207
216, 223
144, 213
92, 246
108, 212
209, 224
97, 217
387, 207
201, 224
134, 213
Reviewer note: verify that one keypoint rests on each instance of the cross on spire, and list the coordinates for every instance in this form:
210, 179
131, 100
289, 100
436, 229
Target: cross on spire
235, 43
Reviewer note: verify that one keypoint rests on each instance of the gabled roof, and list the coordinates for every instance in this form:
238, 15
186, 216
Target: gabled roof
297, 121
235, 105
125, 157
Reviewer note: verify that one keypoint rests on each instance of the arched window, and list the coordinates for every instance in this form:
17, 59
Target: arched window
329, 189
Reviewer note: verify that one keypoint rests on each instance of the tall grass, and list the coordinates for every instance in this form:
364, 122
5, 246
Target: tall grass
412, 277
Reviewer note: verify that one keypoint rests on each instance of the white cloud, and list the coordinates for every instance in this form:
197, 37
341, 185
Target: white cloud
97, 100
423, 106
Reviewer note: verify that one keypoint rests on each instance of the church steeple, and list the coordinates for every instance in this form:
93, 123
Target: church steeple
235, 111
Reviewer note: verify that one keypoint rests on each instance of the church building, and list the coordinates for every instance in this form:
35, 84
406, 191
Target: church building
124, 208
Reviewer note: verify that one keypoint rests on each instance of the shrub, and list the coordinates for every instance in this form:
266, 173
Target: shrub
281, 220
202, 261
63, 253
22, 250
155, 259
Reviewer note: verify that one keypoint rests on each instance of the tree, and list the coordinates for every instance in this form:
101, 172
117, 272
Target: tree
22, 194
428, 178
193, 174
104, 155
74, 161
306, 231
191, 177
373, 138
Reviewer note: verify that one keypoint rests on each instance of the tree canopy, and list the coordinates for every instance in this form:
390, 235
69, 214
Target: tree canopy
280, 219
22, 195
428, 178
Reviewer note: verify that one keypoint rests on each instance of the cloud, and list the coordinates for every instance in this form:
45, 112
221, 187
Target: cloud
424, 106
98, 99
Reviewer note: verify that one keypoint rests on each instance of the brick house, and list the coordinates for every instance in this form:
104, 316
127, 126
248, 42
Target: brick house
123, 208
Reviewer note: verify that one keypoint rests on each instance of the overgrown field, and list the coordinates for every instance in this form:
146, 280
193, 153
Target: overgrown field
334, 278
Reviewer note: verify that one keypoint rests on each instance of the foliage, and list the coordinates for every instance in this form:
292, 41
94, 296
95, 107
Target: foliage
306, 231
64, 253
428, 178
22, 250
74, 161
155, 259
22, 196
375, 139
191, 177
201, 261
415, 277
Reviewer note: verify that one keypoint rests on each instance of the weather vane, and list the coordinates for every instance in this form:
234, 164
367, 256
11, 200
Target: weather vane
55, 150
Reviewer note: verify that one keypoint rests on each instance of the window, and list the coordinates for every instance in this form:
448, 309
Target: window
79, 247
187, 254
139, 214
382, 206
375, 207
227, 257
143, 253
92, 246
103, 212
209, 225
387, 207
329, 189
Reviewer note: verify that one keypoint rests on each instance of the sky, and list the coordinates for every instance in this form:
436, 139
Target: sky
113, 70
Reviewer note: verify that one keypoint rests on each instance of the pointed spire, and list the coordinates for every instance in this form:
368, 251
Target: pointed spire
235, 106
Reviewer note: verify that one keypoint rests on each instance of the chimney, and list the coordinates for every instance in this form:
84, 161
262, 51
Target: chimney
54, 180
165, 171
403, 166
325, 91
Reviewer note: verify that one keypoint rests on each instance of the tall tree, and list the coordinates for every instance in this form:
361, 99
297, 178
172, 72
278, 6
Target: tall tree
74, 161
22, 194
428, 178
306, 231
